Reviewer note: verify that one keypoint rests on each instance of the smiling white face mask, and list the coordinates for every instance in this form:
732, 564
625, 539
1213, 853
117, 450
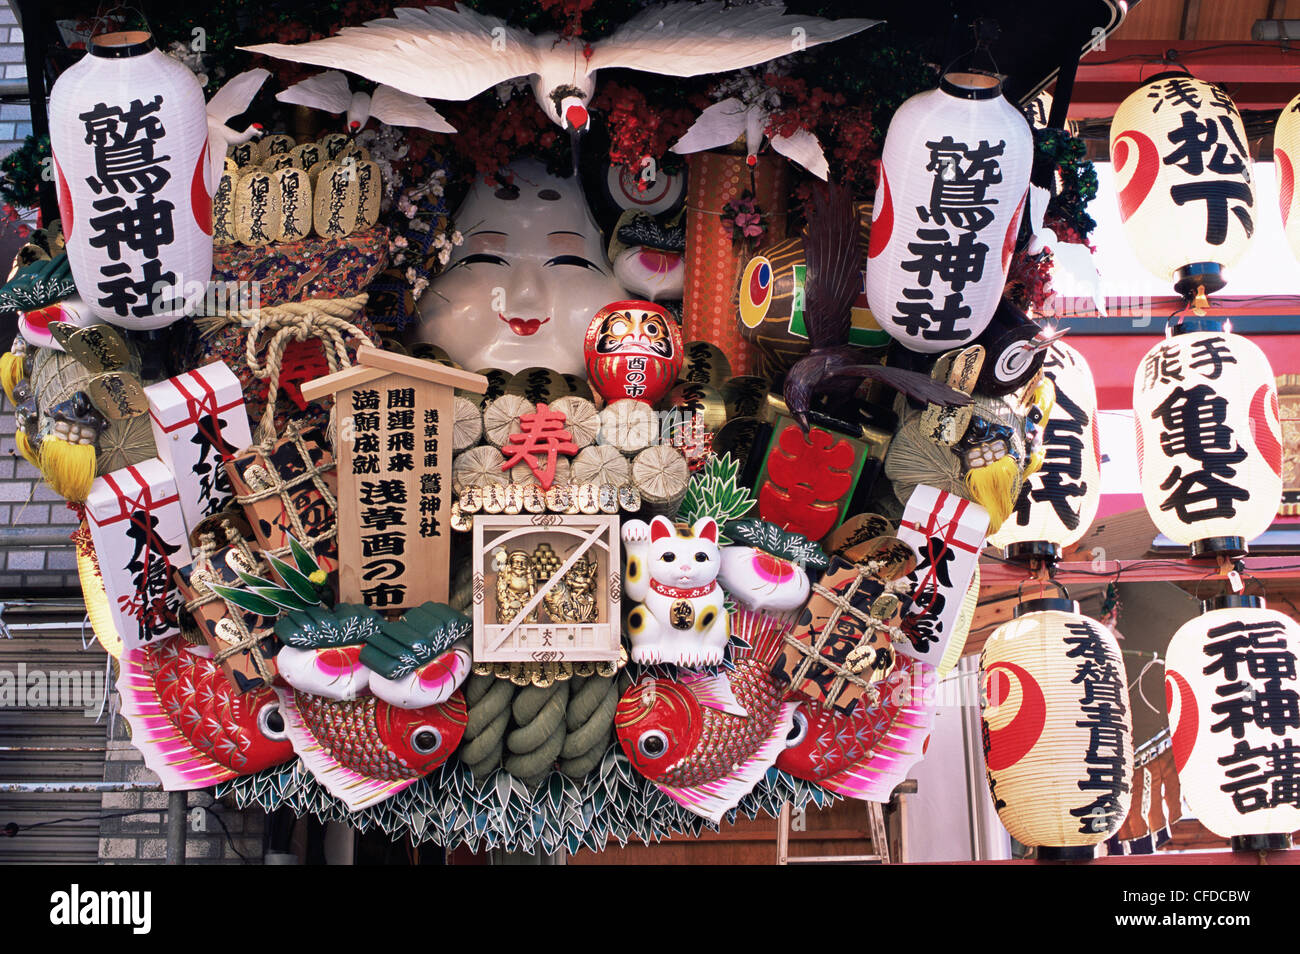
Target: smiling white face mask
521, 290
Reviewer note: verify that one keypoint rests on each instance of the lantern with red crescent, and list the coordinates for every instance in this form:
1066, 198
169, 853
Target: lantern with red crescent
129, 133
1058, 502
1286, 158
1184, 179
1058, 740
1232, 677
633, 350
953, 179
1209, 440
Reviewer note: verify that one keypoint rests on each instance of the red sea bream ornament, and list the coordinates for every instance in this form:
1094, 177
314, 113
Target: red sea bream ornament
633, 350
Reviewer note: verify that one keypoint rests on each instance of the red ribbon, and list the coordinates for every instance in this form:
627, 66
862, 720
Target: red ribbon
131, 509
201, 411
949, 540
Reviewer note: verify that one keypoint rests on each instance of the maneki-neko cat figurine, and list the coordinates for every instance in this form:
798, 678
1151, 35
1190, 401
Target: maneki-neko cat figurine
672, 574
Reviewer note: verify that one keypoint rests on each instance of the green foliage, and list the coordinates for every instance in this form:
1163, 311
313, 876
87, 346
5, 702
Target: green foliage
450, 808
715, 491
1078, 180
20, 172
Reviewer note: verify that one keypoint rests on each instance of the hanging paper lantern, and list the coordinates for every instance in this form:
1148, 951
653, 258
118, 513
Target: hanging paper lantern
1057, 504
1057, 732
1208, 438
953, 179
1231, 690
1185, 186
129, 132
1286, 154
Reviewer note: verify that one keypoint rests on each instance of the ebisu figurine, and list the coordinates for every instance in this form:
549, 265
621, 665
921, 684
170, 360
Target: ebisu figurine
672, 575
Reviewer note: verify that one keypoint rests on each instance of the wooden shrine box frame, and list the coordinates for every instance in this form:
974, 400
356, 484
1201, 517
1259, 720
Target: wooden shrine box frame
570, 536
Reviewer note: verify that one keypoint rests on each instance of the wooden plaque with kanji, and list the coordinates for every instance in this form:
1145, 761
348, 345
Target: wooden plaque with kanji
394, 469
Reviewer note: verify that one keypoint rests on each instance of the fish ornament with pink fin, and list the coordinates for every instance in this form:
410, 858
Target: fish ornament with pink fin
374, 704
864, 755
706, 740
190, 724
366, 750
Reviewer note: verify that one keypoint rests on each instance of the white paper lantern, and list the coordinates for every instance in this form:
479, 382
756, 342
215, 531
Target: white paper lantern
129, 133
1286, 154
1058, 503
1185, 183
953, 179
1058, 741
1208, 438
1231, 681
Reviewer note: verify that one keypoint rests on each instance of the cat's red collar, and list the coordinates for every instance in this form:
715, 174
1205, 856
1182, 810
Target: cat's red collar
680, 593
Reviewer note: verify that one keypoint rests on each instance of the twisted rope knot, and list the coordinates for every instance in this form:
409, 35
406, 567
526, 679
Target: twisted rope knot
319, 319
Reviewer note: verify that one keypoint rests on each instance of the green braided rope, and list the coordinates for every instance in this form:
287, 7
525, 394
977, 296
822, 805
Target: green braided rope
590, 721
483, 744
536, 743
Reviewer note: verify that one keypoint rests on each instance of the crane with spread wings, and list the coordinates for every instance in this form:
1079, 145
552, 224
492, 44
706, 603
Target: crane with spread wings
330, 93
456, 54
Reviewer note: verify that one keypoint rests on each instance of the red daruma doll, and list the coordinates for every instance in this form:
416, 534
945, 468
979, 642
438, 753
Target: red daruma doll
633, 350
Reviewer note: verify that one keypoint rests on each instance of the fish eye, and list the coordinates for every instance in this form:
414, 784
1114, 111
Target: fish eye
701, 557
652, 744
426, 739
481, 258
577, 260
669, 557
798, 729
270, 722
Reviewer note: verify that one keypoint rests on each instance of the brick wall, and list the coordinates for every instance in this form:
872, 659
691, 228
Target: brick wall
142, 839
15, 120
25, 501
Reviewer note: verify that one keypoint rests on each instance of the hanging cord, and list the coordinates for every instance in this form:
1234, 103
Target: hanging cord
1155, 660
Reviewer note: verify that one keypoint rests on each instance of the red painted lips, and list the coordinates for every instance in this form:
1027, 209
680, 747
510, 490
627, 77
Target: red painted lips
524, 326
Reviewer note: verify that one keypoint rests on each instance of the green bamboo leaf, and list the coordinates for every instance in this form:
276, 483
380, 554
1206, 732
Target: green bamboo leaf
296, 581
250, 580
306, 562
281, 596
245, 600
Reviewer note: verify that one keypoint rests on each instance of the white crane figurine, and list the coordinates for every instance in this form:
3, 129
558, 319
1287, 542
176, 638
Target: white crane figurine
330, 93
231, 100
457, 54
726, 121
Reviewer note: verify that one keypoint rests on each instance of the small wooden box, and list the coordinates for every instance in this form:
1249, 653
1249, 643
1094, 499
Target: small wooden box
570, 538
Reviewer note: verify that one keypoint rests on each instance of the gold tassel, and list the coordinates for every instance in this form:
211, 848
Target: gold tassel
25, 448
69, 469
11, 372
995, 488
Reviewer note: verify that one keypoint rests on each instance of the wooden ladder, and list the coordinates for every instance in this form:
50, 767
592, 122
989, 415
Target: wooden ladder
879, 841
